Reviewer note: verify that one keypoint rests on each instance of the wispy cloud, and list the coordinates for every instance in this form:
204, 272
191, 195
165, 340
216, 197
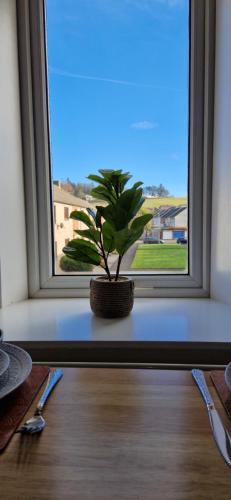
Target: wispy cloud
60, 72
145, 125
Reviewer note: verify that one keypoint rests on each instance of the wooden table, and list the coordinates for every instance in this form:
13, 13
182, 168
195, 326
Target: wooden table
119, 434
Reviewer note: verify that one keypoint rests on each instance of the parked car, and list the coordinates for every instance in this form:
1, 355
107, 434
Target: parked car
182, 241
152, 240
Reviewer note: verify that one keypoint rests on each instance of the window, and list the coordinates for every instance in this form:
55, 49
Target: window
190, 218
143, 121
66, 213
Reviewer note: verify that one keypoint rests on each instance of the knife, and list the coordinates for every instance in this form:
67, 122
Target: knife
220, 433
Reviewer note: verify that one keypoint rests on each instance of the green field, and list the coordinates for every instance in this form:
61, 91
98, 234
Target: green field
160, 257
171, 201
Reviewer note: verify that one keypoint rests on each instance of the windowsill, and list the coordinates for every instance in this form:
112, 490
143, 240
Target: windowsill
157, 330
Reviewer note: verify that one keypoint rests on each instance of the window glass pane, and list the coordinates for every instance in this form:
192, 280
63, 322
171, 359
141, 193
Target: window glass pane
118, 84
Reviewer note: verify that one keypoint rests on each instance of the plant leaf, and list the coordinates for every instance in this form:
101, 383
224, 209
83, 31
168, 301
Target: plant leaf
98, 216
91, 233
140, 222
119, 214
116, 216
108, 237
131, 200
108, 173
125, 238
102, 193
81, 216
137, 185
82, 250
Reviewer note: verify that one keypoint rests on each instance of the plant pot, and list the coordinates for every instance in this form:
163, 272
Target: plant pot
111, 299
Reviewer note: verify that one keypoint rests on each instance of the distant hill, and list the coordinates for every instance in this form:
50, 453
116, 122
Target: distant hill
170, 200
150, 202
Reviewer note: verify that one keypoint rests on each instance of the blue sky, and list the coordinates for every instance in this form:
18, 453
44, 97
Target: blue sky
118, 89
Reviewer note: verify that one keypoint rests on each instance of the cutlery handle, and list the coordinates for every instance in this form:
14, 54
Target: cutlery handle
53, 379
200, 380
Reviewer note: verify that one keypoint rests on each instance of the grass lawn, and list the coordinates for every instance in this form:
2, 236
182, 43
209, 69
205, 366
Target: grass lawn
160, 257
157, 202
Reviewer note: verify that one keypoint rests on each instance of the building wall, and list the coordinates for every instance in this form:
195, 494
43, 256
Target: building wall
221, 226
181, 220
64, 228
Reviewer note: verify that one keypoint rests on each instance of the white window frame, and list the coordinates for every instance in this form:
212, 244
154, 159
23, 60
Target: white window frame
36, 151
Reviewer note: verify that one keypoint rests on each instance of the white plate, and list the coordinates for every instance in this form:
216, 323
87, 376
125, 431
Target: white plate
228, 375
19, 368
4, 361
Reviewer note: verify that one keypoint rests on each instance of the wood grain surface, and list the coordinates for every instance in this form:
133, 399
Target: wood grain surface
119, 434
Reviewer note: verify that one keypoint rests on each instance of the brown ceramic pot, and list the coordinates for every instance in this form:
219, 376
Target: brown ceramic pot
111, 299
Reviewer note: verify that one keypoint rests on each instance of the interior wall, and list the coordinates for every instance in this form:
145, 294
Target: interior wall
13, 262
221, 213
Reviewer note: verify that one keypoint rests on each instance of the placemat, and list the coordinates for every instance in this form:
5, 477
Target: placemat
14, 406
218, 378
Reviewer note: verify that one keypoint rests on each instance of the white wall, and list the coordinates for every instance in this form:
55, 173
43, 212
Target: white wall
13, 264
181, 220
221, 215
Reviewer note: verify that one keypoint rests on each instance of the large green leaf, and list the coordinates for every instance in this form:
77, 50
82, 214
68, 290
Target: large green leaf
97, 178
83, 250
102, 193
107, 173
103, 182
115, 216
113, 180
123, 179
81, 216
125, 238
140, 222
98, 217
108, 237
91, 233
137, 185
131, 200
124, 210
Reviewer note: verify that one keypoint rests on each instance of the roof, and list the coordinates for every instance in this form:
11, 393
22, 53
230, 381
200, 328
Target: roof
169, 212
62, 196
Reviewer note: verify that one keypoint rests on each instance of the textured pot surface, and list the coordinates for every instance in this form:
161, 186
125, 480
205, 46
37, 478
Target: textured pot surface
111, 299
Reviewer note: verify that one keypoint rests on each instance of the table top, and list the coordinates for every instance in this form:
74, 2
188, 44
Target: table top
127, 434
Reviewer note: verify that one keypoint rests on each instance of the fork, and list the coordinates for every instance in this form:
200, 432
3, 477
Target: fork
37, 422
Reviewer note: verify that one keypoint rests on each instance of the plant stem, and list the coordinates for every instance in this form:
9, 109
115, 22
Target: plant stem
104, 258
118, 267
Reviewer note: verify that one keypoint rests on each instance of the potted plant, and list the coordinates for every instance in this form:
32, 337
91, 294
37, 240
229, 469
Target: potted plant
112, 227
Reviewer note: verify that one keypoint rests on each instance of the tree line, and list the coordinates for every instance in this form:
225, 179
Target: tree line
81, 189
158, 191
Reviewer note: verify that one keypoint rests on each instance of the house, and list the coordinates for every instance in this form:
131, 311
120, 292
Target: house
170, 223
63, 204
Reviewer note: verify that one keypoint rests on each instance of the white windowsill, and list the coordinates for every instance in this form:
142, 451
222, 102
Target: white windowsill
152, 320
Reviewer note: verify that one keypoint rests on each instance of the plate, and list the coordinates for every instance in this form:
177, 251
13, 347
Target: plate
4, 361
228, 375
19, 368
